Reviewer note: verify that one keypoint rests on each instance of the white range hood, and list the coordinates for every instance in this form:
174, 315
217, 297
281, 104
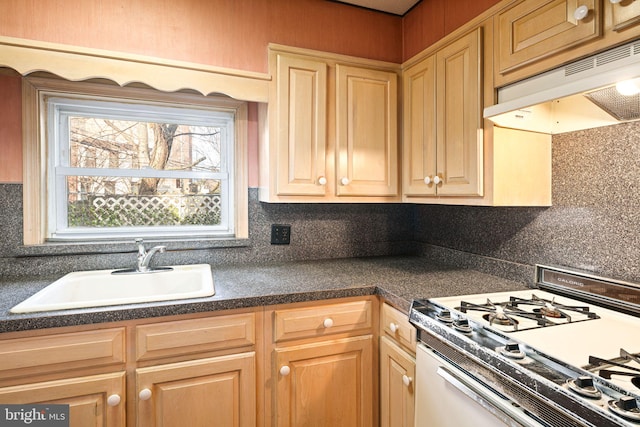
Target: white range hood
579, 95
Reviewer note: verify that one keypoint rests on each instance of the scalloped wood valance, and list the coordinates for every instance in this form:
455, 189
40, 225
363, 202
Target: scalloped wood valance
77, 64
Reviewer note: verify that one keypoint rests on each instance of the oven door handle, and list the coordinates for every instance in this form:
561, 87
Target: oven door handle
492, 401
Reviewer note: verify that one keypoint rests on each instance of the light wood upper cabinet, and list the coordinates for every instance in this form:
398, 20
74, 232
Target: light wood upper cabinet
534, 29
419, 121
475, 162
443, 152
301, 126
534, 36
459, 118
367, 134
625, 14
332, 132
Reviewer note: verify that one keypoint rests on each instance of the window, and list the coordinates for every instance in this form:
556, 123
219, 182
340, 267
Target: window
141, 164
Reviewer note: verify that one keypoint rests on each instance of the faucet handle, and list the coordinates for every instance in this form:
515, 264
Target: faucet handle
141, 250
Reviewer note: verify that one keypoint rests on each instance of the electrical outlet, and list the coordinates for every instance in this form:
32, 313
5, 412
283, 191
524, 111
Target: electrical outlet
280, 234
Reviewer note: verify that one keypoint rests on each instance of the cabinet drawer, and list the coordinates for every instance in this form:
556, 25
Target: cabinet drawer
323, 320
395, 325
60, 352
535, 29
194, 335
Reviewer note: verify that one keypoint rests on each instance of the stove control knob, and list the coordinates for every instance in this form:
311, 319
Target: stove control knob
445, 316
462, 325
627, 407
584, 382
512, 347
511, 350
628, 403
584, 386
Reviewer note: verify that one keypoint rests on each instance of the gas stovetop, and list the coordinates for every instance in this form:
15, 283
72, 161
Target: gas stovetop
590, 351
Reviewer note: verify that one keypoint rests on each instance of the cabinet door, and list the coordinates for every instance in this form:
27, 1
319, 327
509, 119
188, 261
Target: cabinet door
366, 132
301, 126
625, 14
94, 401
535, 29
218, 391
327, 384
397, 371
459, 120
419, 154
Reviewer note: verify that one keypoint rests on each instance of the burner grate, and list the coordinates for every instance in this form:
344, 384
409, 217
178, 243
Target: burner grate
542, 312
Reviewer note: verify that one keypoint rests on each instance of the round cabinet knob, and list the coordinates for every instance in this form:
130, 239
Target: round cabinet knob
285, 370
427, 180
407, 380
615, 1
328, 322
393, 327
322, 180
113, 400
344, 181
581, 12
437, 180
145, 394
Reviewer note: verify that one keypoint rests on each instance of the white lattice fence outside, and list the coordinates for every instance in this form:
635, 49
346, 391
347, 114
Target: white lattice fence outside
157, 210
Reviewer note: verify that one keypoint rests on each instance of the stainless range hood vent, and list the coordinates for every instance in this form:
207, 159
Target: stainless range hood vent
574, 96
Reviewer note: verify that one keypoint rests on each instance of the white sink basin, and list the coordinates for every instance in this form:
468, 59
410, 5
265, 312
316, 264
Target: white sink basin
101, 288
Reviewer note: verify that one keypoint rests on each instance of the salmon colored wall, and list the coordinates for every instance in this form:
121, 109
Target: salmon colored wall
10, 129
227, 33
224, 33
431, 20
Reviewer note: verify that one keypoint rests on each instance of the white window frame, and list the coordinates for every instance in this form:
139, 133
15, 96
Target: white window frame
45, 170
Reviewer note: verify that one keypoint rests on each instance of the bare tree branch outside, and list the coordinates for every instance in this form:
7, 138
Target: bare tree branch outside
116, 201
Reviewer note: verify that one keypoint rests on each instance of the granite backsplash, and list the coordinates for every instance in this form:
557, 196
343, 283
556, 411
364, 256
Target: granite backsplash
594, 224
318, 231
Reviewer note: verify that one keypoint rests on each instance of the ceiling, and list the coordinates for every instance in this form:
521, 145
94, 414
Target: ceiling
396, 7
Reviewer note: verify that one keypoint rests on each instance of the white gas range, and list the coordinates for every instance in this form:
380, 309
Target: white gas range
560, 361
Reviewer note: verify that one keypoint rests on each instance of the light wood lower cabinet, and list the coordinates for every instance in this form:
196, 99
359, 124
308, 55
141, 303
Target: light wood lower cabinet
323, 360
314, 365
216, 391
182, 371
397, 368
397, 398
325, 384
94, 401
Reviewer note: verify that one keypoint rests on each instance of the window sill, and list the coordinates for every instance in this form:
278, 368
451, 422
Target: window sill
113, 247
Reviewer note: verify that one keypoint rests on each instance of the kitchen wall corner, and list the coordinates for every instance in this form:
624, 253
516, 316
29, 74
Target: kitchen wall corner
593, 225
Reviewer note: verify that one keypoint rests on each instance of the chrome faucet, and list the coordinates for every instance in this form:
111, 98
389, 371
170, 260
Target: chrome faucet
144, 256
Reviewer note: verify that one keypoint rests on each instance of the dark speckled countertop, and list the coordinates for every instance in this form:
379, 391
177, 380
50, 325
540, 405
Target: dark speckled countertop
396, 279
